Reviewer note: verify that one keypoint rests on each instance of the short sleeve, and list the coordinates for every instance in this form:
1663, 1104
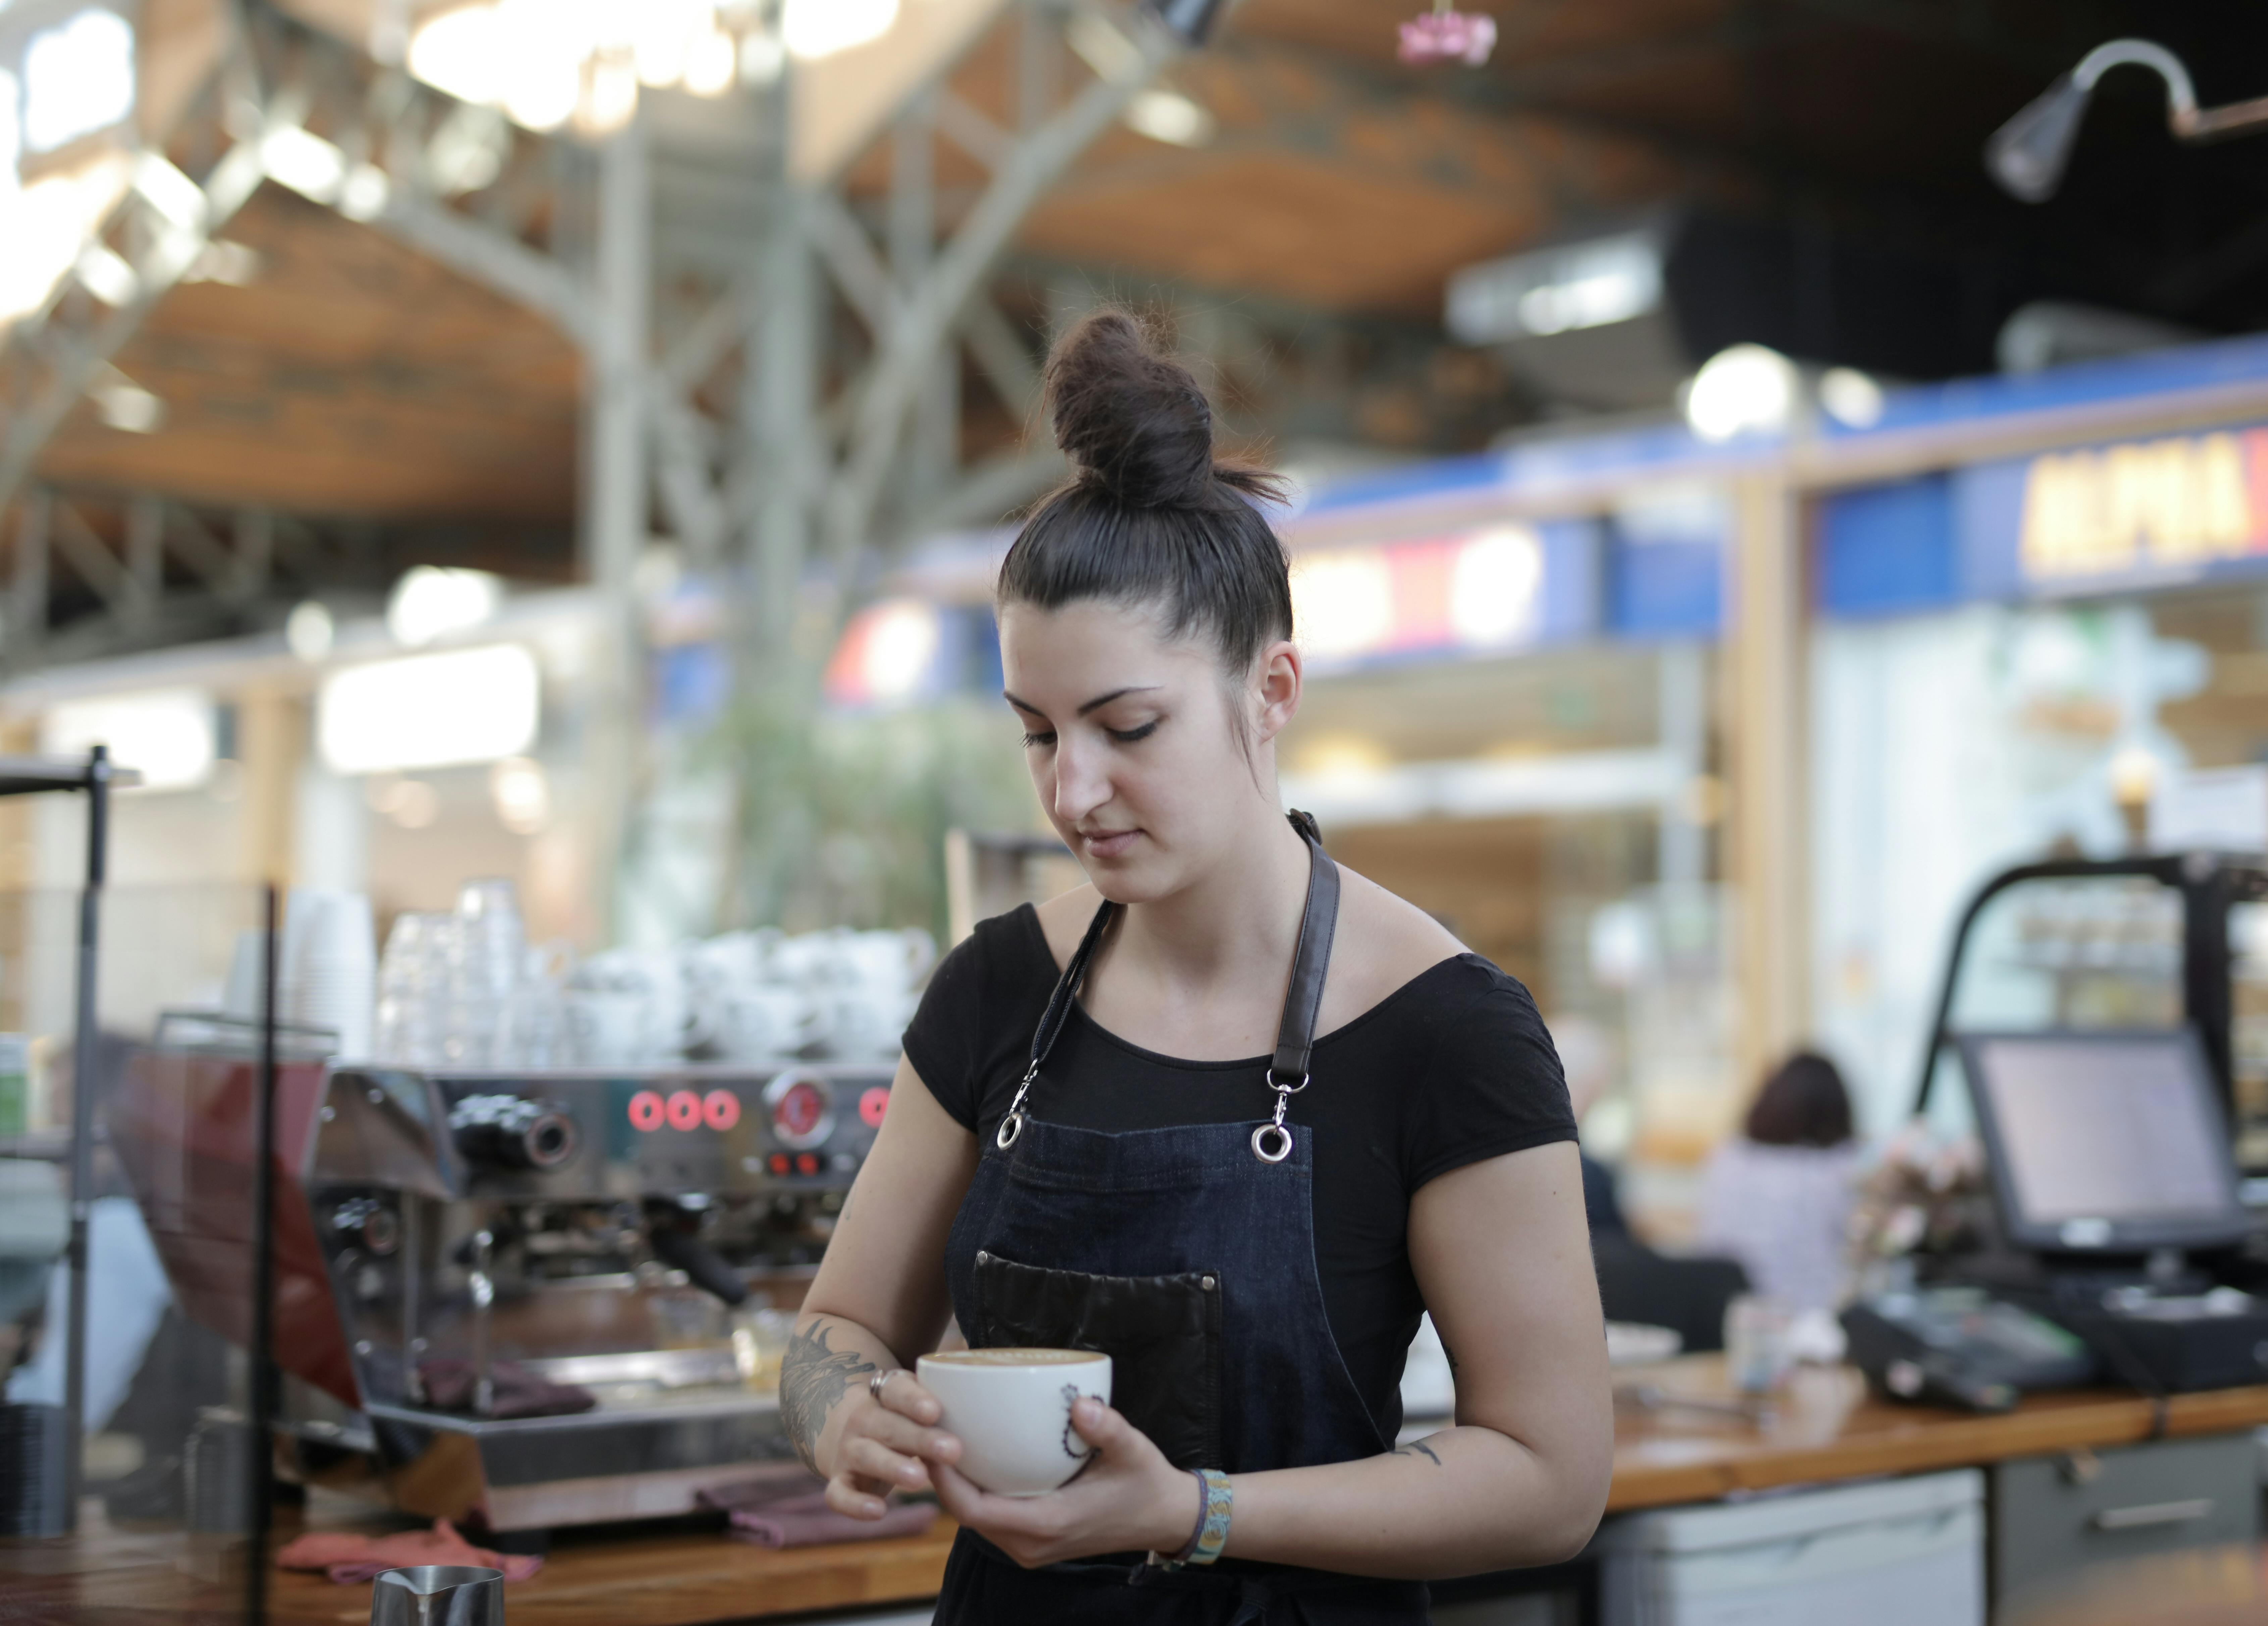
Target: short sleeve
1492, 1083
942, 1041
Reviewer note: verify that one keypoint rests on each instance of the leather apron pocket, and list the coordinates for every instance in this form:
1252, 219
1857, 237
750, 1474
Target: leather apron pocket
1162, 1334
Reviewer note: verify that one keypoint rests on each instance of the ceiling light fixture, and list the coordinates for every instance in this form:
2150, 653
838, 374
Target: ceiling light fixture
813, 29
1170, 117
45, 226
2027, 155
431, 602
1445, 36
78, 77
1851, 397
549, 64
1745, 389
309, 631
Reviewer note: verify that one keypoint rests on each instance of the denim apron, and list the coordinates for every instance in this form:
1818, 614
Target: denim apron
1188, 1255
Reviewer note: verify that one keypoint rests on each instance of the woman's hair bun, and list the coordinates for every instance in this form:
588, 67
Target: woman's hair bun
1134, 424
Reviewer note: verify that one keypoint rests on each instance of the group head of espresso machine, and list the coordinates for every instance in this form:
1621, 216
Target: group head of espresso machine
534, 1275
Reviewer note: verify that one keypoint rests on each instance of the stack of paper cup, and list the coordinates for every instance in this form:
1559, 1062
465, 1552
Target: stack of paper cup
330, 963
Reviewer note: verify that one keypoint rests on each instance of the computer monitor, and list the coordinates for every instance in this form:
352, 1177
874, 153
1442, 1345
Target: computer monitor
2107, 1141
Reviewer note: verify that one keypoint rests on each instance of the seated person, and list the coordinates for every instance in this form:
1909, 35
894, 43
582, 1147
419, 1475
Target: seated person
1778, 1196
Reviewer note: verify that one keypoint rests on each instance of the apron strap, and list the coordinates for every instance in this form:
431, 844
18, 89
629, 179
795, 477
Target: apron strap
1067, 986
1311, 962
1287, 1070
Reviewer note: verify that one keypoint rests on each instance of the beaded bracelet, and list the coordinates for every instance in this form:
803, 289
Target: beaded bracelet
1211, 1532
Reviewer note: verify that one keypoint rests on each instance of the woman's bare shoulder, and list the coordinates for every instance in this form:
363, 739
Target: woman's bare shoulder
1383, 942
1066, 917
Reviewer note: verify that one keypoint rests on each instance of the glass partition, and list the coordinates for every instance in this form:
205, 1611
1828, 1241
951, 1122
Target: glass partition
161, 1503
2094, 952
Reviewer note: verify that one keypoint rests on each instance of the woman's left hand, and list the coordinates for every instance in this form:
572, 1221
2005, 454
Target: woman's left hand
1129, 1498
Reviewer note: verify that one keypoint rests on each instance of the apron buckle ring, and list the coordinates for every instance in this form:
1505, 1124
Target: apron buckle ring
1261, 1138
1011, 1127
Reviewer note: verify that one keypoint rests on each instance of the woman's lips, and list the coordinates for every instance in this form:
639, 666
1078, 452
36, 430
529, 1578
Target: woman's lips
1108, 844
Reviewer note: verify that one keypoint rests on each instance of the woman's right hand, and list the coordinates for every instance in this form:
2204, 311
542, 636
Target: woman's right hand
882, 1447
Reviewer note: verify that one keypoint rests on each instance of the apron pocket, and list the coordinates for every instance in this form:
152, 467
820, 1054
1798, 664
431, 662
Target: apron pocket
1162, 1334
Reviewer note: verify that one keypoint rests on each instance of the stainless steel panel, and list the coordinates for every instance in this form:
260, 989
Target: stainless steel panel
2053, 1517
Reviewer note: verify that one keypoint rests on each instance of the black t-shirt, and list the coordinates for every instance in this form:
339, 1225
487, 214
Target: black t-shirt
1452, 1068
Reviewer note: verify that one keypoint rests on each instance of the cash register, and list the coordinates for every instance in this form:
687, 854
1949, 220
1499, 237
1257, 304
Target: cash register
2099, 1039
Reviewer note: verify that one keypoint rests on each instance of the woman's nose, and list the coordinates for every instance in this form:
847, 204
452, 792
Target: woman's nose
1081, 785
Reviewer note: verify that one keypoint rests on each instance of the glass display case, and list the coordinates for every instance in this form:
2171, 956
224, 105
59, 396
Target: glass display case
2132, 943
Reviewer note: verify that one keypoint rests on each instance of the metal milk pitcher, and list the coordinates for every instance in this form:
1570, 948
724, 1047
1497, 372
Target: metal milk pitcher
437, 1594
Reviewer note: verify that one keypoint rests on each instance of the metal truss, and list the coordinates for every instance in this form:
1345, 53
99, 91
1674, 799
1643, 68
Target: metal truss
154, 235
93, 573
790, 393
772, 448
279, 103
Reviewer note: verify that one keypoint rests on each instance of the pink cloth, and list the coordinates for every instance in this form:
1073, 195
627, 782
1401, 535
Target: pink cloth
353, 1560
793, 1512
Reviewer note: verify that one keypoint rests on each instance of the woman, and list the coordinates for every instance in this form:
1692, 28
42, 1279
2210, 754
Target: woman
1226, 1066
1778, 1196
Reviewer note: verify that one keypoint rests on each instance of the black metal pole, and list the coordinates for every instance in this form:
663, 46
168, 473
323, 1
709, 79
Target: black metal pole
261, 1482
82, 1173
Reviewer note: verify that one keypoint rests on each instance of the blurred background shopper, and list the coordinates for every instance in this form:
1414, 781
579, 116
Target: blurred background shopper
1778, 1196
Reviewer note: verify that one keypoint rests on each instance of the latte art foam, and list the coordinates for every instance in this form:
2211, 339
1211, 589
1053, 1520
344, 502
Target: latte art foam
1018, 1358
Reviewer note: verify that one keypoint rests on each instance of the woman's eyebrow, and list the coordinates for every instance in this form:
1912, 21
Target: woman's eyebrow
1099, 701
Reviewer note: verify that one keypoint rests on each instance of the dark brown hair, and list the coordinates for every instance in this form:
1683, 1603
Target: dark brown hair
1149, 516
1803, 1104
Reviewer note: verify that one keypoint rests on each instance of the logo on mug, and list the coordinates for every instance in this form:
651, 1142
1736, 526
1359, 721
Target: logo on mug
1074, 1447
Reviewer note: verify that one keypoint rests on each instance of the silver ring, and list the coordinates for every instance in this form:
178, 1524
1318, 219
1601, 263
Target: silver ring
1259, 1147
1010, 1126
875, 1385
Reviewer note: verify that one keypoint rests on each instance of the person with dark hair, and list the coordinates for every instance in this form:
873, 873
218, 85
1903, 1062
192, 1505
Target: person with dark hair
1230, 1114
1778, 1196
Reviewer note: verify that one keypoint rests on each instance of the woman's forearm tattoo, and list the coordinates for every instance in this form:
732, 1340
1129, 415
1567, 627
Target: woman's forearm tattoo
812, 1378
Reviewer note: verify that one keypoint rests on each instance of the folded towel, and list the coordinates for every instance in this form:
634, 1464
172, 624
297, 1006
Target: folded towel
519, 1392
776, 1511
353, 1560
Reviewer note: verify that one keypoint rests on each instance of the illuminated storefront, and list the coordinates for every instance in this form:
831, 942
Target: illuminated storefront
2074, 639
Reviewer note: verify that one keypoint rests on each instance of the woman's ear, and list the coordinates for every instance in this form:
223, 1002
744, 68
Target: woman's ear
1278, 683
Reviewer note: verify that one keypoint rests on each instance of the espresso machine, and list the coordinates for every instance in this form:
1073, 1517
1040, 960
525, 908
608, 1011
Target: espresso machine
521, 1300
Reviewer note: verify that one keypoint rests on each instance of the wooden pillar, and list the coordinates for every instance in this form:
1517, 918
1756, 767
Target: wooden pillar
20, 870
1769, 849
271, 741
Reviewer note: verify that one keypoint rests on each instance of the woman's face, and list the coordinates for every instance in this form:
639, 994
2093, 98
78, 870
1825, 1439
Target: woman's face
1148, 760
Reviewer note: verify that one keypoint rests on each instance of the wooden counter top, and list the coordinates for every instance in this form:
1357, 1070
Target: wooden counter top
1826, 1426
619, 1576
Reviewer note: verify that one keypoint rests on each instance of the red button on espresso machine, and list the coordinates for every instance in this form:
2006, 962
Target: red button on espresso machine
800, 1107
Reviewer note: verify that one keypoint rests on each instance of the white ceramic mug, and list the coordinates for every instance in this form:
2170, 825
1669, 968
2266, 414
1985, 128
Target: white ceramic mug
1010, 1410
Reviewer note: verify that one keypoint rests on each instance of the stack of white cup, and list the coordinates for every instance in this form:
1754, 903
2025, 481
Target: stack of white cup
329, 966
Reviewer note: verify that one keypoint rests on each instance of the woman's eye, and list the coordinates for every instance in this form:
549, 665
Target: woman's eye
1031, 739
1127, 736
